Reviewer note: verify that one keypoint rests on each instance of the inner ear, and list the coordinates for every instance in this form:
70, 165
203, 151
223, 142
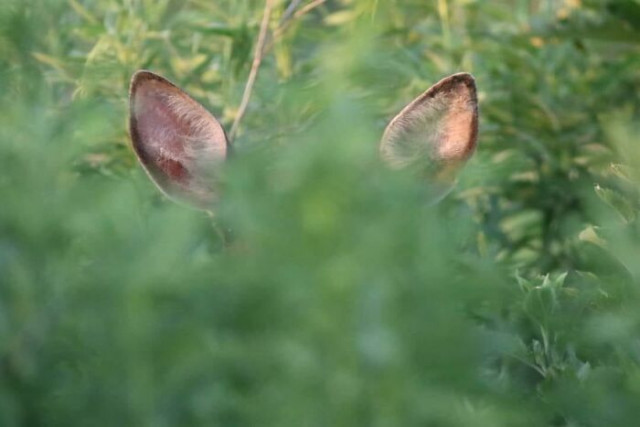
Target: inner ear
177, 141
436, 132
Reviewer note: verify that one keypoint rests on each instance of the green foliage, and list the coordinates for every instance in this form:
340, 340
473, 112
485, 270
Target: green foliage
325, 291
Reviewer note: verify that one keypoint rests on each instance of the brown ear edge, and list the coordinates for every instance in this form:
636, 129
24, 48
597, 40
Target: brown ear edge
444, 85
138, 78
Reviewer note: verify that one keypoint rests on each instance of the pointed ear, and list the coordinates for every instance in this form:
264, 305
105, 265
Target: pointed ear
437, 132
179, 143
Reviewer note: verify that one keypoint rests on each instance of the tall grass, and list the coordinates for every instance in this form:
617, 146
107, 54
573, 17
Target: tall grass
325, 291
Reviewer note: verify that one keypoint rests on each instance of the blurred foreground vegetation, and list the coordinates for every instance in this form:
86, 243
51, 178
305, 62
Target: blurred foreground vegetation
345, 299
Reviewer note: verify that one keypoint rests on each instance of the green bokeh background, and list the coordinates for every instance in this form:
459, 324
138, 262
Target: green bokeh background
342, 299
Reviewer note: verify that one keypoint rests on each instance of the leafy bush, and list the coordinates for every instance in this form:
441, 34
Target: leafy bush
325, 291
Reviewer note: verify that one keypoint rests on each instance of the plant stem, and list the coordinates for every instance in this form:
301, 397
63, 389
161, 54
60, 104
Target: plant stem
255, 66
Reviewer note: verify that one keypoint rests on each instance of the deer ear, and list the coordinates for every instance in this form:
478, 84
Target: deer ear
437, 132
177, 141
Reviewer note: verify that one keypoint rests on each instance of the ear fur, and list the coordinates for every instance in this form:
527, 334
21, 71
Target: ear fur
177, 141
437, 132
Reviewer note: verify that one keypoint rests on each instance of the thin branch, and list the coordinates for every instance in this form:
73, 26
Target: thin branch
308, 8
255, 66
286, 23
289, 11
289, 16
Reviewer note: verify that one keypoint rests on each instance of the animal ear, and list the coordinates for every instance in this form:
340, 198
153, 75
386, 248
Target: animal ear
437, 132
177, 141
